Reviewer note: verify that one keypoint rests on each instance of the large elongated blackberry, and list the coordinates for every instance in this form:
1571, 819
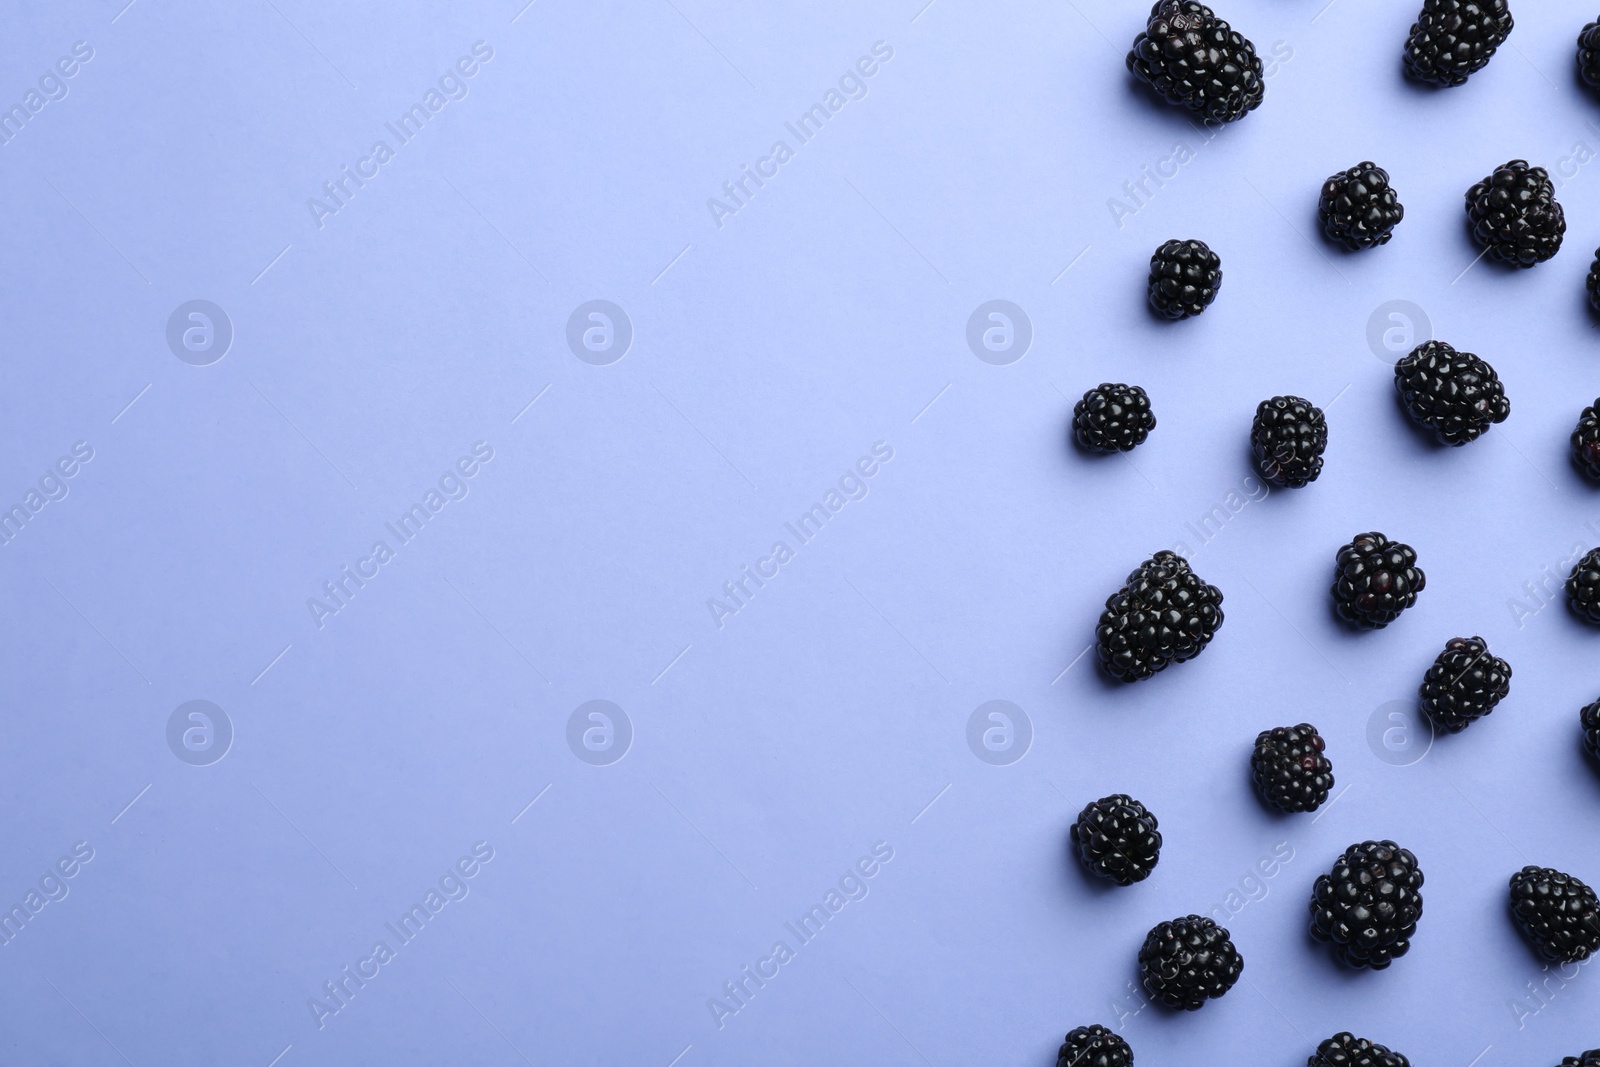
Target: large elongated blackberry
1557, 913
1589, 722
1117, 838
1375, 579
1453, 39
1290, 769
1184, 278
1368, 905
1094, 1046
1359, 207
1515, 215
1188, 961
1348, 1050
1586, 441
1288, 438
1113, 417
1589, 55
1191, 57
1464, 684
1583, 588
1455, 395
1163, 614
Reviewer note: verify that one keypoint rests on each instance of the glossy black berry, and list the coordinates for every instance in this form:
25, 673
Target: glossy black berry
1163, 614
1586, 441
1464, 684
1192, 58
1591, 284
1583, 588
1589, 55
1094, 1046
1288, 438
1589, 722
1453, 39
1112, 417
1184, 279
1359, 207
1557, 913
1117, 838
1454, 395
1188, 961
1375, 579
1588, 1059
1368, 905
1290, 770
1515, 215
1348, 1050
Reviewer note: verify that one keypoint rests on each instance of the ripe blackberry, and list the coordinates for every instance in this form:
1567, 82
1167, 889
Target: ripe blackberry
1163, 614
1464, 684
1589, 719
1515, 215
1289, 768
1454, 394
1588, 1059
1113, 417
1591, 284
1586, 441
1359, 207
1191, 57
1583, 588
1188, 961
1288, 439
1348, 1050
1453, 39
1184, 278
1094, 1046
1117, 839
1375, 579
1557, 913
1367, 907
1589, 55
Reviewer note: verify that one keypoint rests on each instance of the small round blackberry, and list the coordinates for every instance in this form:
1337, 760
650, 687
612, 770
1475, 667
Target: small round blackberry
1163, 614
1348, 1050
1557, 913
1113, 417
1454, 394
1288, 438
1359, 207
1375, 580
1117, 838
1368, 905
1192, 58
1289, 768
1589, 720
1094, 1046
1583, 588
1464, 684
1589, 55
1515, 215
1184, 279
1586, 441
1188, 961
1453, 39
1588, 1059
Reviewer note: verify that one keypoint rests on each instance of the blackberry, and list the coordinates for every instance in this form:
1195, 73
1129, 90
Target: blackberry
1586, 441
1591, 284
1289, 768
1589, 720
1163, 614
1515, 215
1557, 913
1094, 1046
1453, 39
1375, 580
1583, 588
1184, 279
1188, 961
1348, 1050
1367, 907
1191, 57
1589, 55
1359, 207
1454, 394
1588, 1059
1464, 684
1117, 838
1288, 438
1113, 417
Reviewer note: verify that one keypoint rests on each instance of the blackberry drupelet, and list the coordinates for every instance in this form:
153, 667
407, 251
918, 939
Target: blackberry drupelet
1191, 57
1359, 207
1557, 913
1163, 614
1112, 417
1515, 215
1589, 720
1454, 394
1188, 961
1586, 441
1094, 1046
1184, 278
1288, 438
1289, 768
1348, 1050
1367, 907
1117, 838
1589, 55
1375, 579
1583, 588
1453, 39
1464, 684
1588, 1059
